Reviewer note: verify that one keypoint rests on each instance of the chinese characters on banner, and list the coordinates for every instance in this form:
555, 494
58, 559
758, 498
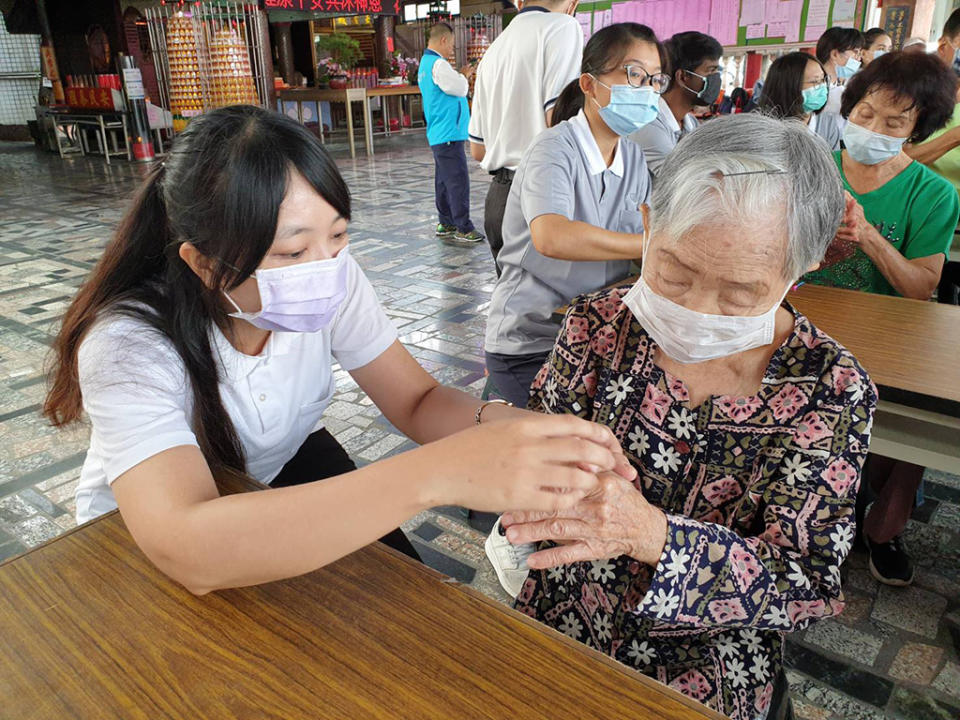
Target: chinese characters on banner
895, 24
359, 7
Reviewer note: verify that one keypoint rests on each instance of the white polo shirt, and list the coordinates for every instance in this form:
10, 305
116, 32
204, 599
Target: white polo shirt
519, 79
138, 397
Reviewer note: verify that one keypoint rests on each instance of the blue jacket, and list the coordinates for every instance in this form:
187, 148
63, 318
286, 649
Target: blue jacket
448, 117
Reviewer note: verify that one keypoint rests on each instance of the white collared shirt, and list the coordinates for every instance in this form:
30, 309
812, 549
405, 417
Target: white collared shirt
588, 143
138, 397
519, 80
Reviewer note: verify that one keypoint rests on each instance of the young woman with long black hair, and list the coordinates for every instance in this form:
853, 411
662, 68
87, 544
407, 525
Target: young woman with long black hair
204, 341
797, 86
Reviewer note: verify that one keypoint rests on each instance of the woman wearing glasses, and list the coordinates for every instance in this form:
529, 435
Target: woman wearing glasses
797, 86
572, 223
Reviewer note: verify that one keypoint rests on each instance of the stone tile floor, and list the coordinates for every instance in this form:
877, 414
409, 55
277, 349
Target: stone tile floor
892, 654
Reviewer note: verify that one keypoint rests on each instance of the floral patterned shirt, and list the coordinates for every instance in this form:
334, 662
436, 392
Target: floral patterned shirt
759, 493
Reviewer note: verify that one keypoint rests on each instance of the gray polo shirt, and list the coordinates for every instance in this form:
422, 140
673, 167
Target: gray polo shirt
829, 126
659, 137
562, 173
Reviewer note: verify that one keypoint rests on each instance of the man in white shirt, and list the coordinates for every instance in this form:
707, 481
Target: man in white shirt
444, 93
519, 79
695, 62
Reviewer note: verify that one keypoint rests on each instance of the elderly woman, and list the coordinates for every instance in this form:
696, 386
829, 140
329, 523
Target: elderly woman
897, 231
748, 427
901, 215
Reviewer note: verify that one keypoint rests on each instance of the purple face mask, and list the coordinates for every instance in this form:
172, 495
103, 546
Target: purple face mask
298, 298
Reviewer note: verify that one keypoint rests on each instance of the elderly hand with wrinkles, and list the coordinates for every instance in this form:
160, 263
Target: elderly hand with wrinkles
613, 520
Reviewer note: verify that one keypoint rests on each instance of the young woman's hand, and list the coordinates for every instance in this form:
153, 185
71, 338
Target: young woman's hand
539, 462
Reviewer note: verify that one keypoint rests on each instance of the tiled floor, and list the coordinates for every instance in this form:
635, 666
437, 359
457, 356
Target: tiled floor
893, 653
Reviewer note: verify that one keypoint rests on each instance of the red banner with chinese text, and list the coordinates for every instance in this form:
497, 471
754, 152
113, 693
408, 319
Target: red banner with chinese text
91, 98
344, 7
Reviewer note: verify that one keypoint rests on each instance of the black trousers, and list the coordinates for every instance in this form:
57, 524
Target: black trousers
320, 457
948, 292
451, 185
493, 210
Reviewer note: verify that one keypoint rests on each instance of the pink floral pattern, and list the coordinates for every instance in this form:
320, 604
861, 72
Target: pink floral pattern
655, 404
788, 402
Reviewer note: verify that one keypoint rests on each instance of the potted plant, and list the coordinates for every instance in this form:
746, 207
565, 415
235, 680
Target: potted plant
403, 68
338, 52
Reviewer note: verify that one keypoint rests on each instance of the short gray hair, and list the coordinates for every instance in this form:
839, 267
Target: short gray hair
790, 171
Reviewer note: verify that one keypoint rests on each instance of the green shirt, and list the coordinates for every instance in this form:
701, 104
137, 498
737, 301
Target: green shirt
916, 212
949, 163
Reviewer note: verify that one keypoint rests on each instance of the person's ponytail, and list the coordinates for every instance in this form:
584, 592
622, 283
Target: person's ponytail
568, 104
136, 254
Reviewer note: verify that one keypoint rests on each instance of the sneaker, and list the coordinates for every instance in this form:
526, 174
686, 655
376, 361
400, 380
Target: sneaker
462, 239
509, 561
446, 231
889, 562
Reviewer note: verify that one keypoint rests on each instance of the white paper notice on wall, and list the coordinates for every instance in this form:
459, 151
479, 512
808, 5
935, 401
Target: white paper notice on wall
755, 31
817, 12
777, 30
843, 12
133, 82
752, 12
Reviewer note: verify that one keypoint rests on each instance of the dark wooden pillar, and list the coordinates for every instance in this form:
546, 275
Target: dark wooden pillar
384, 41
281, 32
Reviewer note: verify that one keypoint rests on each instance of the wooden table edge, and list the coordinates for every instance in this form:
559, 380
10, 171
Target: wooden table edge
236, 483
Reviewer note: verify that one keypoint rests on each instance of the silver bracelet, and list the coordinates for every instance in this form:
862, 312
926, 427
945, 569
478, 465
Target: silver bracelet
498, 401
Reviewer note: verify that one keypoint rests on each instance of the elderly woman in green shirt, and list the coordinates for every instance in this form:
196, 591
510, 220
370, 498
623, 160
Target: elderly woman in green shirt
898, 226
900, 215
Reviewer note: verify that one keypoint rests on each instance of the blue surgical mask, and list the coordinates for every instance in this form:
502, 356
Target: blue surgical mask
878, 53
848, 70
868, 147
629, 108
815, 98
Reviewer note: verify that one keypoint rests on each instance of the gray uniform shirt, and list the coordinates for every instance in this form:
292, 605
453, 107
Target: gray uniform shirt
659, 137
829, 126
562, 173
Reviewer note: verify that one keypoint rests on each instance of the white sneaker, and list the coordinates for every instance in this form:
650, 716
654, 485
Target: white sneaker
509, 561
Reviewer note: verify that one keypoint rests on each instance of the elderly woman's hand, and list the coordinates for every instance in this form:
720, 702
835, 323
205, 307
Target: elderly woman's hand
847, 239
613, 520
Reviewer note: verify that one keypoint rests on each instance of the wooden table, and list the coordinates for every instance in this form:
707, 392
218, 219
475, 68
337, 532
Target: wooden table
91, 629
347, 97
911, 349
386, 93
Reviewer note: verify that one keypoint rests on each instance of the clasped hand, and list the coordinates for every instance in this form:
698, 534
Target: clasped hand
614, 519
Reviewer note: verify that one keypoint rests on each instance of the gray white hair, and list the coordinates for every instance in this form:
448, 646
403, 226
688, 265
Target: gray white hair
791, 180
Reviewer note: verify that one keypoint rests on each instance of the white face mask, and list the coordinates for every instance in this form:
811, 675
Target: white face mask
688, 336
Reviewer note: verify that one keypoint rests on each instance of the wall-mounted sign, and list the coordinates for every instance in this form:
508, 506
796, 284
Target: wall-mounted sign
896, 23
336, 7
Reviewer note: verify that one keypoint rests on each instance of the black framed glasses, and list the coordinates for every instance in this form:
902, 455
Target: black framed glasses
638, 77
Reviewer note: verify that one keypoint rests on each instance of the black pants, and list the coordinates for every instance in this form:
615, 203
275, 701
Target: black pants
781, 706
948, 292
320, 457
451, 184
513, 375
493, 210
